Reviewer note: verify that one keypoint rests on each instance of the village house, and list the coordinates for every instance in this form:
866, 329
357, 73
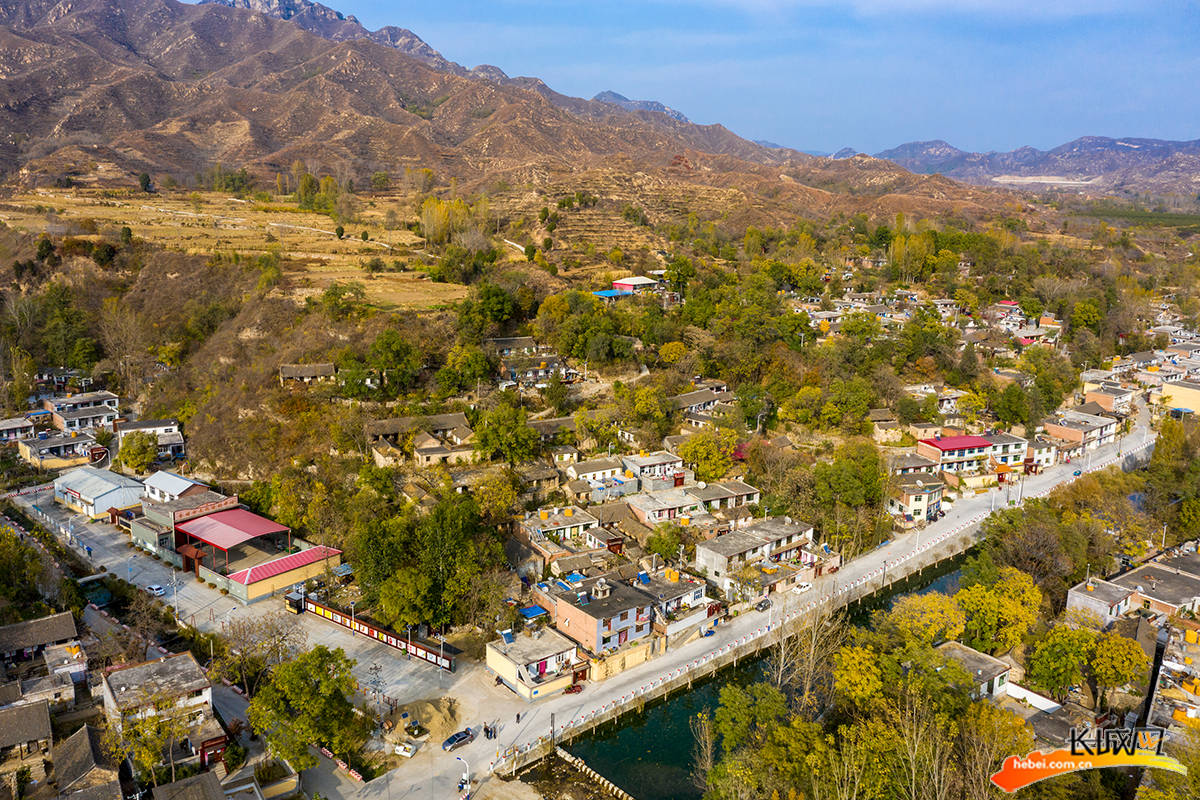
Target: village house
24, 640
1137, 361
551, 530
724, 494
204, 786
910, 463
1181, 397
535, 371
1161, 589
166, 432
1104, 601
83, 769
59, 450
438, 439
25, 739
173, 684
55, 689
96, 492
657, 466
680, 604
665, 505
915, 499
512, 346
1041, 453
164, 486
602, 613
306, 373
694, 402
636, 284
75, 402
79, 419
15, 428
1087, 430
989, 676
536, 663
1007, 454
770, 539
1113, 399
564, 454
956, 453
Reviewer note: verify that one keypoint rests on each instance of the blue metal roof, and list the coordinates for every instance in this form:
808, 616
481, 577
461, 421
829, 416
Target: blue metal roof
612, 293
532, 612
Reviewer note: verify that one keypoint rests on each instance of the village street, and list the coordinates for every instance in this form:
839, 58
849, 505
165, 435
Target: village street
432, 773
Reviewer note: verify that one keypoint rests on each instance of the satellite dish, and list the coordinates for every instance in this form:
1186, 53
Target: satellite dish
701, 485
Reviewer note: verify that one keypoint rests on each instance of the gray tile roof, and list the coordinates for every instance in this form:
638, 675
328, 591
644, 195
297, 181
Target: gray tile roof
22, 724
37, 632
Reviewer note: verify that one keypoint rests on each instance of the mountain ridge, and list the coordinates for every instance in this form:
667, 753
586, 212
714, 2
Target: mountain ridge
1129, 164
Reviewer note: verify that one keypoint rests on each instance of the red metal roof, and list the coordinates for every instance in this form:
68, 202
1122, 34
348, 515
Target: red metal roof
226, 529
957, 442
285, 564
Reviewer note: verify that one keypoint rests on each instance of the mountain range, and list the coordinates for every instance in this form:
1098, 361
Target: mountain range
1090, 162
100, 90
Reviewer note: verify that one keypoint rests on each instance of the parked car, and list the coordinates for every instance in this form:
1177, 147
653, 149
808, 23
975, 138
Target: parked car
801, 588
762, 605
465, 736
156, 590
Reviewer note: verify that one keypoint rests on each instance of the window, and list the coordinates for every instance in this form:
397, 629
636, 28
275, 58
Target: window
624, 616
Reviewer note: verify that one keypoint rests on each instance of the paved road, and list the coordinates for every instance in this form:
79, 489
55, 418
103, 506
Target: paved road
432, 773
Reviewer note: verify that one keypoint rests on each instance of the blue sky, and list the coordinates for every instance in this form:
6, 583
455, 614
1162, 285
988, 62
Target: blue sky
870, 74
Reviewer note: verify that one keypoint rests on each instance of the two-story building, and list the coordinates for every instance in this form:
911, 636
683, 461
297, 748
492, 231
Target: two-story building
15, 428
600, 613
168, 436
1041, 453
956, 453
1113, 399
174, 685
915, 499
771, 539
1087, 430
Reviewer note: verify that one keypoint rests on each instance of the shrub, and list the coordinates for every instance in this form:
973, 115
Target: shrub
235, 756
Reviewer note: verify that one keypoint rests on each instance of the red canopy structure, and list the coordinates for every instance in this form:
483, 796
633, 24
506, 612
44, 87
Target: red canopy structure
225, 530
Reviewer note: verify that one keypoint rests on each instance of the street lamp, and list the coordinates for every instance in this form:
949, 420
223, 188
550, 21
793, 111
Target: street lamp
466, 774
352, 602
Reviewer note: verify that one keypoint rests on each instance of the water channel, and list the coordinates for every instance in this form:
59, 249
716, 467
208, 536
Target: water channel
649, 755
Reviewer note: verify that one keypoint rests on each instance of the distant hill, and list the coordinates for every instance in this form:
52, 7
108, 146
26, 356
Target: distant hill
645, 105
1120, 165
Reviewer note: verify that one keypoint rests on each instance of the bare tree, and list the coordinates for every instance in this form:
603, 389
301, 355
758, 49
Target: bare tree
124, 337
256, 645
926, 764
704, 748
800, 659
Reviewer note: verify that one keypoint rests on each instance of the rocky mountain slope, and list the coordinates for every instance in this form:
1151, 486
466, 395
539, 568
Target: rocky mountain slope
1135, 165
100, 90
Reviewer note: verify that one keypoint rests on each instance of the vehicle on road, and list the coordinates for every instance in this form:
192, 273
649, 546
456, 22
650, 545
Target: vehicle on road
1077, 473
156, 590
709, 632
762, 605
465, 736
801, 588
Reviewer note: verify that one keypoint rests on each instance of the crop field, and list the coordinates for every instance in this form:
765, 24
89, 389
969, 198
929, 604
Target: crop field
205, 223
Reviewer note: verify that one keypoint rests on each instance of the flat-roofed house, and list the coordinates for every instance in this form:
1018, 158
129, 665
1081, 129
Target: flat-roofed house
1161, 589
536, 663
58, 450
1098, 598
989, 676
168, 436
915, 499
771, 539
15, 428
1086, 430
1113, 399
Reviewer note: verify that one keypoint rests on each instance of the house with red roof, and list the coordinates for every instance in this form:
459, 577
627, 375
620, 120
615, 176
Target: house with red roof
956, 453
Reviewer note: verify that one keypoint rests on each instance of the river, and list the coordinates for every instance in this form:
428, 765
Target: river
649, 754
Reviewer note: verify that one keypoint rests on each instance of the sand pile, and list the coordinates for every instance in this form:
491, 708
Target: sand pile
438, 716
